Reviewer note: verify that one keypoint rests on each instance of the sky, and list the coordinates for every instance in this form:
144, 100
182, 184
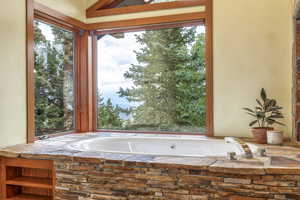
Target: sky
115, 57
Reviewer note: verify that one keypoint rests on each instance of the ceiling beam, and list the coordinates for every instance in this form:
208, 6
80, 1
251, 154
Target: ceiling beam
98, 5
145, 7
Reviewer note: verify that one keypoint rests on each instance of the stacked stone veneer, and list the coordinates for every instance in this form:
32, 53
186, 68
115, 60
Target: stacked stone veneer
87, 179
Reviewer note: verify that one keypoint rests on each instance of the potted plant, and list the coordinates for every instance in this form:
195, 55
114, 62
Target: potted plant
266, 114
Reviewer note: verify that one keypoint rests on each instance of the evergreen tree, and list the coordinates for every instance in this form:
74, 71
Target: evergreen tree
52, 76
108, 114
169, 79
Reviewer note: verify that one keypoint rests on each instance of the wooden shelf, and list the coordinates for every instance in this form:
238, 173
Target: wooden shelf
31, 182
29, 197
24, 179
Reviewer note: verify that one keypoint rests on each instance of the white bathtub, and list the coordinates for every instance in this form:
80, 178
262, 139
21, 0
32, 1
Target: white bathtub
163, 146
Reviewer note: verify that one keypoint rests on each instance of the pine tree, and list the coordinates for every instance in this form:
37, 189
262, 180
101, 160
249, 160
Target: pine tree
169, 80
52, 76
108, 114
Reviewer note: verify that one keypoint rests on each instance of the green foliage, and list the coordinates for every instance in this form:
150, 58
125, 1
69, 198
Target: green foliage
169, 81
108, 115
266, 113
53, 81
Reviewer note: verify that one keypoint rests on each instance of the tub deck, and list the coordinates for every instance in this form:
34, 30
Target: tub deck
164, 177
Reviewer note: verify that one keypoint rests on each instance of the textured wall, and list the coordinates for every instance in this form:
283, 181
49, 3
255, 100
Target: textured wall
12, 72
252, 49
116, 180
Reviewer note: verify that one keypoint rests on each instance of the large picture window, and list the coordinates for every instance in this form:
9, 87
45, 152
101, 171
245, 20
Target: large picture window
142, 75
152, 80
54, 82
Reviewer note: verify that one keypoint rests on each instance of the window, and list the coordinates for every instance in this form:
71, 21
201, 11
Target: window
150, 74
54, 79
152, 80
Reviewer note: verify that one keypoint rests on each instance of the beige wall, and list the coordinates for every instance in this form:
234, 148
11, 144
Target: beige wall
12, 72
72, 8
90, 2
252, 49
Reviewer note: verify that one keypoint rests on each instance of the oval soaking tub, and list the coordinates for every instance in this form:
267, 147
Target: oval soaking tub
161, 146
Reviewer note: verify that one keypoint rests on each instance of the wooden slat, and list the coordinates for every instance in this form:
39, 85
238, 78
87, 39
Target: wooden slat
29, 197
30, 71
35, 164
144, 8
209, 70
2, 179
98, 5
147, 21
31, 182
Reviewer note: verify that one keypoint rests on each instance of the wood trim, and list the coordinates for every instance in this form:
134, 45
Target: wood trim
34, 164
94, 81
82, 83
2, 179
56, 135
41, 12
115, 3
209, 70
53, 16
150, 27
30, 71
90, 82
98, 5
143, 8
147, 21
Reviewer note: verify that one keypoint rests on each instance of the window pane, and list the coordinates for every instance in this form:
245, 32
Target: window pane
54, 84
152, 80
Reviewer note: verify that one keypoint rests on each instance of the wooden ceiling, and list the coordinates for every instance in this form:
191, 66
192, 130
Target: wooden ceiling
114, 7
104, 4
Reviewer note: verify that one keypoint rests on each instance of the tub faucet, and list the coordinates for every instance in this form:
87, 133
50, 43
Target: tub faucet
247, 153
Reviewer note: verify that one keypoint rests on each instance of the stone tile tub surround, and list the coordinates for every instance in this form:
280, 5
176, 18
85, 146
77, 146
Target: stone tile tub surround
94, 175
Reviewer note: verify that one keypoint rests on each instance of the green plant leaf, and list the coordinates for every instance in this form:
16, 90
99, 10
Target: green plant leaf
267, 103
273, 102
263, 94
258, 108
259, 103
253, 115
253, 122
277, 107
249, 110
260, 115
276, 116
282, 124
270, 121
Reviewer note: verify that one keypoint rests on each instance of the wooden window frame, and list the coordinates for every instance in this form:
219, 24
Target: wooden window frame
164, 22
86, 50
98, 9
47, 15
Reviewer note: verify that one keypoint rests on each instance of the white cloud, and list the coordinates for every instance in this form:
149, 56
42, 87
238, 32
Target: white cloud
115, 57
